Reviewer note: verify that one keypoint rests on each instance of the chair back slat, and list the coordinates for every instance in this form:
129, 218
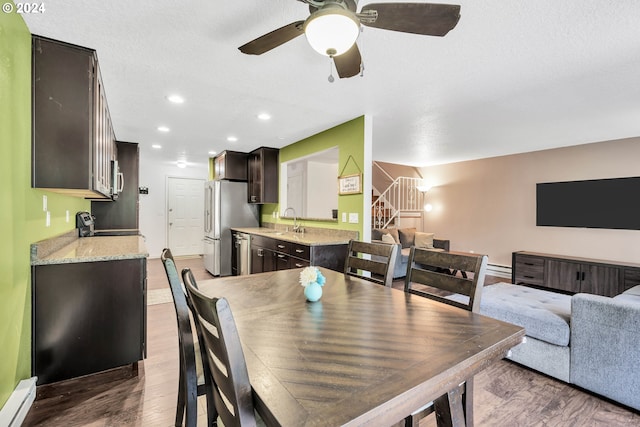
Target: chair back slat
378, 259
443, 281
372, 266
433, 275
233, 395
446, 260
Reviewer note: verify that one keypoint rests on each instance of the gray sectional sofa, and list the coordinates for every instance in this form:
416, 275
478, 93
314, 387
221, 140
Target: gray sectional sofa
587, 340
404, 238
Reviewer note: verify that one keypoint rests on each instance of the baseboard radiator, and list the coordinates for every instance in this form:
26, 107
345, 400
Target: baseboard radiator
17, 406
503, 271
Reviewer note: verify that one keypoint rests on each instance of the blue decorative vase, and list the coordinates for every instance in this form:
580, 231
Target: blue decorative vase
313, 292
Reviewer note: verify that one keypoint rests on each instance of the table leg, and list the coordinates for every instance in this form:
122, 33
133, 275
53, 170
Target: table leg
449, 409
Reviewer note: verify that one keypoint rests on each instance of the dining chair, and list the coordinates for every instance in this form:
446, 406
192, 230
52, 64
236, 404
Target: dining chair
193, 380
455, 279
231, 387
378, 259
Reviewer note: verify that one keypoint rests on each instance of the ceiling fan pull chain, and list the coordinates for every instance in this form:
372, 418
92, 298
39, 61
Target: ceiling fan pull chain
331, 79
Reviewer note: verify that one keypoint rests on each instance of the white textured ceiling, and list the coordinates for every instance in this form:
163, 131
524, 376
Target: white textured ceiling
513, 76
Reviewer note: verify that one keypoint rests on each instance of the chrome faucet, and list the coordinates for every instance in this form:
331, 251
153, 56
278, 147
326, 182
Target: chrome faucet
296, 227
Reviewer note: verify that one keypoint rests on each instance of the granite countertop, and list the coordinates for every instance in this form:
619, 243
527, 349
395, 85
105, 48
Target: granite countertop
65, 250
317, 237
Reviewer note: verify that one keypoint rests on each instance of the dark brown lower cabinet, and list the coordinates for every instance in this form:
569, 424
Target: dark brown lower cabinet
87, 317
574, 274
577, 277
269, 254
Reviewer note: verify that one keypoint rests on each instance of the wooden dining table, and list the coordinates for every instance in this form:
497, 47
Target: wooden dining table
364, 354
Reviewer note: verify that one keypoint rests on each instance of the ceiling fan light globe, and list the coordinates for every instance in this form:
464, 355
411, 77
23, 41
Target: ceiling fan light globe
332, 31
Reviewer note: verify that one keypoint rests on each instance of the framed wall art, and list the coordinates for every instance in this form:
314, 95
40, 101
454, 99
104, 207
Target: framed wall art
350, 184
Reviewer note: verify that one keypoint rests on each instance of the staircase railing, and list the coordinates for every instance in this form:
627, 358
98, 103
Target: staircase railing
401, 196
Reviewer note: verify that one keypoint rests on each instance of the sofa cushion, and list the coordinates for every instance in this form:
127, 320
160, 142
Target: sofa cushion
631, 295
376, 233
545, 315
407, 236
424, 240
388, 238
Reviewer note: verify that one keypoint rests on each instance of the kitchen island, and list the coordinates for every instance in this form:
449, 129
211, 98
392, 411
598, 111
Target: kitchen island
89, 305
274, 249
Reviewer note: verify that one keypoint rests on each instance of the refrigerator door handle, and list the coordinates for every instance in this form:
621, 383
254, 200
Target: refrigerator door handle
206, 209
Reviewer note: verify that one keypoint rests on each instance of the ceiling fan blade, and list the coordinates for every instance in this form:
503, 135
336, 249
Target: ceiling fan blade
273, 39
348, 64
416, 18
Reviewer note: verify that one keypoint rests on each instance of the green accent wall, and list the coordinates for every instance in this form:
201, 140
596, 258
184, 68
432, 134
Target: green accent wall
349, 138
22, 219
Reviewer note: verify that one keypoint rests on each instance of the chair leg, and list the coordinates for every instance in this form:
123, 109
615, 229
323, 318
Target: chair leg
212, 414
181, 393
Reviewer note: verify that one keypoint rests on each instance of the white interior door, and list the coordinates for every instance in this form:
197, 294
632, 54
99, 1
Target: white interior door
185, 216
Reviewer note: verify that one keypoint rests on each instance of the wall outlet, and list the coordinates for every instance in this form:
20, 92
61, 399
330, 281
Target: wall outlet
353, 217
344, 217
48, 220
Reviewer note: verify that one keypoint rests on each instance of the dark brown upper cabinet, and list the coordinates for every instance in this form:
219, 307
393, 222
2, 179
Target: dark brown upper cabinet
73, 143
263, 175
231, 165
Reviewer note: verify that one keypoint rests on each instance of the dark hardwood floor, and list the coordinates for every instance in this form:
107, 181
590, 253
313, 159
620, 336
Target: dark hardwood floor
506, 394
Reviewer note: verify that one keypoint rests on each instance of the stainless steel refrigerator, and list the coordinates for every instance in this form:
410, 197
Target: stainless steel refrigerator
225, 206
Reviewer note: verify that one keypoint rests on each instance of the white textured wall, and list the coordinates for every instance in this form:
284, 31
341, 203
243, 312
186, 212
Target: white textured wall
489, 205
153, 206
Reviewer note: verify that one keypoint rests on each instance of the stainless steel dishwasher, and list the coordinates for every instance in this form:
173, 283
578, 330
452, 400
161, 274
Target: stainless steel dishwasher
243, 253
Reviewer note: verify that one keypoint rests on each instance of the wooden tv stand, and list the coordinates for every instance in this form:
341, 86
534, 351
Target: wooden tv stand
573, 274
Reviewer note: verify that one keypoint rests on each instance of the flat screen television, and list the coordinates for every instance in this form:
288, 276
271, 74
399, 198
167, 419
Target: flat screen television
598, 203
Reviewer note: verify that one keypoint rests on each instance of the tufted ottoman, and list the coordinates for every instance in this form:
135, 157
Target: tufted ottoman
546, 317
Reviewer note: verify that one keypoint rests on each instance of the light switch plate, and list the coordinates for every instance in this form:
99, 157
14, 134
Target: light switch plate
67, 216
48, 220
44, 203
353, 217
344, 217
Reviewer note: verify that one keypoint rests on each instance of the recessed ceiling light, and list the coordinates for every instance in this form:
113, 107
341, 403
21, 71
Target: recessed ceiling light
156, 146
181, 164
163, 129
212, 152
232, 139
176, 99
264, 116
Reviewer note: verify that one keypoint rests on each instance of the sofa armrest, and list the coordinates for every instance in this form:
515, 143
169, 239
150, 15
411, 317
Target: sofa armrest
605, 347
441, 244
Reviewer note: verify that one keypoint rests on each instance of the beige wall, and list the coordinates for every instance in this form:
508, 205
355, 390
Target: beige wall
489, 205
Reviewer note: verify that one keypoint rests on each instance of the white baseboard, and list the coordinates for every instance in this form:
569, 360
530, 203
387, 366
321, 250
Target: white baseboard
17, 406
499, 271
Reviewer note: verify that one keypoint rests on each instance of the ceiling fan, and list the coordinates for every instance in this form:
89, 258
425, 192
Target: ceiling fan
334, 25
